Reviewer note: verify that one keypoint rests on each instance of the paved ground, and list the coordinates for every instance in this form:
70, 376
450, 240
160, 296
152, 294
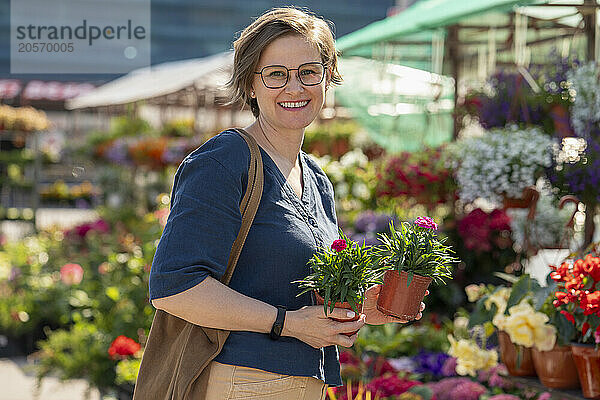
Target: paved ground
17, 382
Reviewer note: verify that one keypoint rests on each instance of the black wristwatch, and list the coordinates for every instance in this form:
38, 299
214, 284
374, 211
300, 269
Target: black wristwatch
278, 324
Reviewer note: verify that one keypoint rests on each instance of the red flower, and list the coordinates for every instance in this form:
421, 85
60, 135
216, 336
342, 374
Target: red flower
122, 347
339, 245
585, 328
590, 303
568, 316
481, 231
561, 297
380, 366
499, 220
390, 385
591, 266
347, 357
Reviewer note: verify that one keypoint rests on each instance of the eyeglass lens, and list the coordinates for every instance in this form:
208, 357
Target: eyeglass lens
276, 76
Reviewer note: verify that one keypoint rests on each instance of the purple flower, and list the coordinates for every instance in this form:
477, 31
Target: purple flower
426, 222
430, 363
15, 273
496, 377
366, 222
504, 396
449, 368
370, 221
118, 152
369, 238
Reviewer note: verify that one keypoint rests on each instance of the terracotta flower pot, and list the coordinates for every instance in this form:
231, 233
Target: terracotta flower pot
345, 305
587, 360
399, 299
556, 368
509, 355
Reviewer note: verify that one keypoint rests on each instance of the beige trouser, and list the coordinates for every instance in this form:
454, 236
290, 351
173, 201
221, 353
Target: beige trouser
229, 382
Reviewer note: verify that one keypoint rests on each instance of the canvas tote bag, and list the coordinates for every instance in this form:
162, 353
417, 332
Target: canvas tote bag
177, 352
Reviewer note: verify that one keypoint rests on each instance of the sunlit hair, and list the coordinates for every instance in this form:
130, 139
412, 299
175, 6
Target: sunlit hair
271, 25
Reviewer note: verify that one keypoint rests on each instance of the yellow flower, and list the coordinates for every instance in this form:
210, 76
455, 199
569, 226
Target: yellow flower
474, 292
528, 328
469, 357
499, 298
545, 338
520, 331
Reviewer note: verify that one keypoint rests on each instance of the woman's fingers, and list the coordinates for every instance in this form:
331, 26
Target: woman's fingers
338, 313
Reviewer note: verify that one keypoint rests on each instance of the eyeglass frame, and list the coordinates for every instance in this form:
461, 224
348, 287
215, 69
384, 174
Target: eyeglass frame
262, 78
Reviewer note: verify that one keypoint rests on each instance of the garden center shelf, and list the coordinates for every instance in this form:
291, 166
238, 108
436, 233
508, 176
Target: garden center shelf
534, 383
20, 165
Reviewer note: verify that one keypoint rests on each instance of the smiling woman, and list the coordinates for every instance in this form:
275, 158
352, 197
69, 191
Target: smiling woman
280, 344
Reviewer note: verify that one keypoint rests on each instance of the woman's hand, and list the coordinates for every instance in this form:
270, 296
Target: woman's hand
310, 325
376, 317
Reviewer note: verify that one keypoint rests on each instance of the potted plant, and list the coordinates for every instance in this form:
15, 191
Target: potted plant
555, 367
519, 331
341, 275
500, 164
578, 299
414, 257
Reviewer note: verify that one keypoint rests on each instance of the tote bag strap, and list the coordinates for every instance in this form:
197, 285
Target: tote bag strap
249, 204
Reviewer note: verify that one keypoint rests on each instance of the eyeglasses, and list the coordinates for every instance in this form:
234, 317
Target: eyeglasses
277, 76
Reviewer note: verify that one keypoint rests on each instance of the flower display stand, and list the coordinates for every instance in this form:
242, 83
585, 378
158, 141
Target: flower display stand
534, 383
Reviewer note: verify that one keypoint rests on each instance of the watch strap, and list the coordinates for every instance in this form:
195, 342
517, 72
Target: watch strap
277, 327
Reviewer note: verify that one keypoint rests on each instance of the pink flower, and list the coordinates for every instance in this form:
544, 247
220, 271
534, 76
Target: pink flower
426, 222
504, 396
467, 391
339, 245
103, 268
449, 368
597, 334
545, 396
71, 274
162, 215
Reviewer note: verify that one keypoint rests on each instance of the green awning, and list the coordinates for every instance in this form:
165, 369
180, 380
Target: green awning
485, 35
401, 108
425, 15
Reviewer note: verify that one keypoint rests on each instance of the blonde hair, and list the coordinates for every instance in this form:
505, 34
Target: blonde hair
273, 24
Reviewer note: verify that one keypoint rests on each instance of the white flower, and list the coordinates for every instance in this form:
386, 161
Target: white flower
504, 161
354, 158
341, 190
586, 107
360, 190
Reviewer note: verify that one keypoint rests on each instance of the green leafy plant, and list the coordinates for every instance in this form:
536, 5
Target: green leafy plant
415, 249
342, 273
